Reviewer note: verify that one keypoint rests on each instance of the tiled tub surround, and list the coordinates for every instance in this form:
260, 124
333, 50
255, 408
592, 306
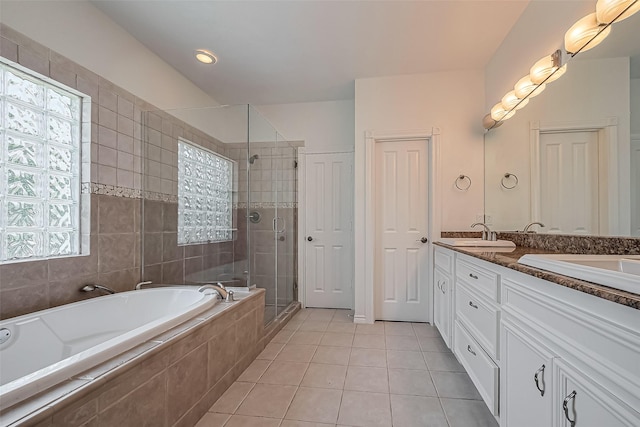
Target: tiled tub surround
323, 370
75, 337
510, 260
170, 380
116, 175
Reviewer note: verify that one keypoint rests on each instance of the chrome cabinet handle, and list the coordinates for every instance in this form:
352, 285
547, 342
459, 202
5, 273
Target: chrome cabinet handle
473, 305
537, 379
442, 288
470, 350
473, 276
565, 407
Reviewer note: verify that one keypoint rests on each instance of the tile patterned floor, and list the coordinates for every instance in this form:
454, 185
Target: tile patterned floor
323, 370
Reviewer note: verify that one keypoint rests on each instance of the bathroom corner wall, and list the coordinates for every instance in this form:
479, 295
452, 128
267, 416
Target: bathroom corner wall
112, 198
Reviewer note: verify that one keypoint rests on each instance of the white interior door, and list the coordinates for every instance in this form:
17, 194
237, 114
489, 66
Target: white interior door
328, 251
401, 221
569, 182
635, 185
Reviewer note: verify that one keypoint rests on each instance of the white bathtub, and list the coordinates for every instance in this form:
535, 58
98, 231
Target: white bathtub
50, 346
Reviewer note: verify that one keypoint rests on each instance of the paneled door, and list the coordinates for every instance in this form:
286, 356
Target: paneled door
635, 185
401, 227
569, 182
328, 228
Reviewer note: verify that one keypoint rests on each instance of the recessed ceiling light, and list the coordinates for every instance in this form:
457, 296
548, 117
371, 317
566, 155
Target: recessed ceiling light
206, 57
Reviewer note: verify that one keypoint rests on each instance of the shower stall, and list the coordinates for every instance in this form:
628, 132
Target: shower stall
219, 202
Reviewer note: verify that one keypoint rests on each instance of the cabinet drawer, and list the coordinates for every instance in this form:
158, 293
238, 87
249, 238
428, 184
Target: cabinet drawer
481, 369
481, 279
444, 260
480, 318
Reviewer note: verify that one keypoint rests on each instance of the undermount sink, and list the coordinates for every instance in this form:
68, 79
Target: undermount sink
476, 242
616, 271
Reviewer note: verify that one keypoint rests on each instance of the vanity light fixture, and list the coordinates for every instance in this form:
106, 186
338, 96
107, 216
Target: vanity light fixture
205, 56
498, 112
608, 11
548, 69
525, 88
585, 34
512, 101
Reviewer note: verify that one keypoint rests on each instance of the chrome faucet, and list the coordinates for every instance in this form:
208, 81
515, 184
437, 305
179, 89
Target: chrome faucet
91, 288
141, 284
223, 293
526, 228
487, 234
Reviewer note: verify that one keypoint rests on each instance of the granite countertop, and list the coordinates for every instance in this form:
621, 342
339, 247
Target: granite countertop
510, 260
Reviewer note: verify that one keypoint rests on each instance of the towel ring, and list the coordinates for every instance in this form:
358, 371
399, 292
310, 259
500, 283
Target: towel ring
462, 178
507, 176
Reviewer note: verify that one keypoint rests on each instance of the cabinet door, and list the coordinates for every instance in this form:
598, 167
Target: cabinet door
526, 396
580, 402
442, 305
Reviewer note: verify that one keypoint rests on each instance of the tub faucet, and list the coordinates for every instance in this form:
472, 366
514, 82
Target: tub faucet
141, 284
225, 295
526, 228
487, 234
91, 288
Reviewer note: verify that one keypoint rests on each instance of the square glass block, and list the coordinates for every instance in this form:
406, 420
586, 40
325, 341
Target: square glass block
60, 187
23, 245
23, 183
61, 243
60, 159
60, 131
24, 214
23, 120
24, 152
62, 104
61, 215
24, 90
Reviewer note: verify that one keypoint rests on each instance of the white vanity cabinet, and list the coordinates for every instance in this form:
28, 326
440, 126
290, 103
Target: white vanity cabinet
542, 354
443, 291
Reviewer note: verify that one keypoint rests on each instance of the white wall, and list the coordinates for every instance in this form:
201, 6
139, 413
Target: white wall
590, 90
85, 35
452, 101
635, 106
323, 126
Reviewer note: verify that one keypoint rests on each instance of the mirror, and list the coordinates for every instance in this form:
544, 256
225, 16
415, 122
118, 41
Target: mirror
571, 158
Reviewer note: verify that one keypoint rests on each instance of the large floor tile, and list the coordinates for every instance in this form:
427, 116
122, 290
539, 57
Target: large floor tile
335, 339
213, 420
292, 325
315, 404
368, 341
232, 398
442, 362
324, 314
342, 327
375, 329
270, 351
295, 423
324, 376
454, 384
417, 411
306, 337
283, 336
296, 353
425, 330
468, 413
360, 378
433, 344
285, 373
267, 400
368, 357
399, 359
343, 316
362, 409
332, 355
253, 373
244, 421
402, 342
398, 328
314, 325
407, 381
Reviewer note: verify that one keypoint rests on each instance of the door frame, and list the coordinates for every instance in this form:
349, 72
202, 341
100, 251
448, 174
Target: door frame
635, 140
302, 222
364, 292
607, 158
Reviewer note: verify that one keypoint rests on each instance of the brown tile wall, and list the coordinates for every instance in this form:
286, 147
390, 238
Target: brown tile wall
177, 384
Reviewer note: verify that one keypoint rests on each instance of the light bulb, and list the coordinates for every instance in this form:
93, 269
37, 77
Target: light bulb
546, 69
206, 57
585, 34
608, 10
525, 87
511, 100
499, 113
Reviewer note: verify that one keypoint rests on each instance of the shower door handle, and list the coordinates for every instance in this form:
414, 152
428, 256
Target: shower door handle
276, 220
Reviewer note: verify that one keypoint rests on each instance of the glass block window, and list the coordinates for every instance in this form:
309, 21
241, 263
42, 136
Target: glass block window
39, 168
205, 195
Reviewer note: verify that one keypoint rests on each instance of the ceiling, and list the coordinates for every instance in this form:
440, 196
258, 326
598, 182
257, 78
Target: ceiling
274, 52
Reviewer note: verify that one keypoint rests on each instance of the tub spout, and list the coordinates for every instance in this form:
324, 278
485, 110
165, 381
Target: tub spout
91, 288
225, 295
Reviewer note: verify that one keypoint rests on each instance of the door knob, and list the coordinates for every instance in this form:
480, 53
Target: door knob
424, 240
310, 238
